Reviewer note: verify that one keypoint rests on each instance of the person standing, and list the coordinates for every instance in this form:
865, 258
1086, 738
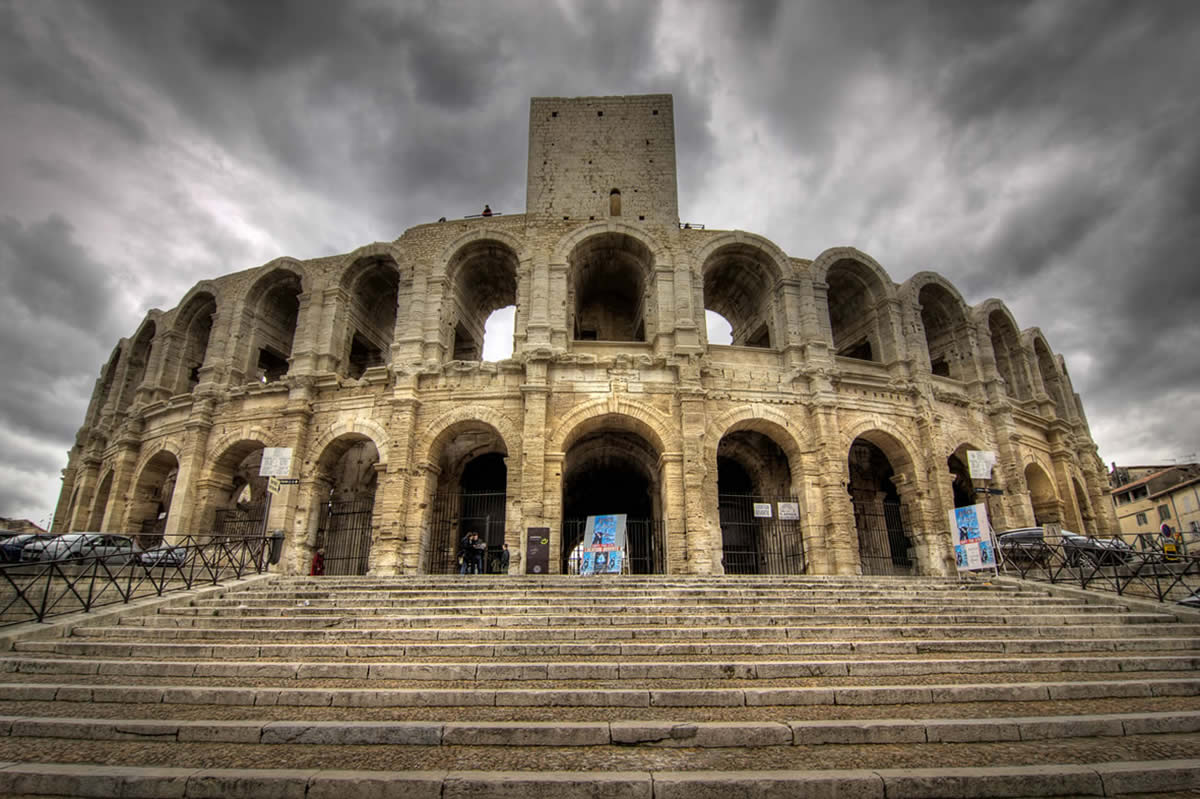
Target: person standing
317, 569
465, 555
504, 559
479, 552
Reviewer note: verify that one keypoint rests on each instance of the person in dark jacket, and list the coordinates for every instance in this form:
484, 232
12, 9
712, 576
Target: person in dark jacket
318, 564
478, 553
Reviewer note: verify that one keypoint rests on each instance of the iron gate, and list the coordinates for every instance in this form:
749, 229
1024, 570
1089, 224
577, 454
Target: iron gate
643, 545
758, 544
884, 537
345, 533
456, 514
241, 522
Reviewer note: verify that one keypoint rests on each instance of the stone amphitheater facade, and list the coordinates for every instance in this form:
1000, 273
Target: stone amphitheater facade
843, 396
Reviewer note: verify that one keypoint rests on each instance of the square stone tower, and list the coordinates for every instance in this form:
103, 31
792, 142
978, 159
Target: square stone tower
601, 158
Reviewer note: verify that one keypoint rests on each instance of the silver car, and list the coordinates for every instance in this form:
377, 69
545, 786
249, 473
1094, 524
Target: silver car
115, 549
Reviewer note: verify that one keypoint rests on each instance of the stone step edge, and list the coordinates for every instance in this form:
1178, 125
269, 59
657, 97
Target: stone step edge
549, 670
702, 734
125, 647
1098, 779
861, 695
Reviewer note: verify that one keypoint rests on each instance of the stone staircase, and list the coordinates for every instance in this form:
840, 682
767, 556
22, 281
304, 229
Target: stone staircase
609, 687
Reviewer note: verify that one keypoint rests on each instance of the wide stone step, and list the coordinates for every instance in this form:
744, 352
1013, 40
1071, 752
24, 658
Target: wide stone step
542, 635
605, 733
1093, 779
153, 650
665, 620
622, 671
628, 697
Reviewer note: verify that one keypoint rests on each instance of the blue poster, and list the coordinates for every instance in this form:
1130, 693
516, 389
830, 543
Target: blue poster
972, 537
603, 547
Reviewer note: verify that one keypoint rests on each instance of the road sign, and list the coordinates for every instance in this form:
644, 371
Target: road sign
273, 485
276, 462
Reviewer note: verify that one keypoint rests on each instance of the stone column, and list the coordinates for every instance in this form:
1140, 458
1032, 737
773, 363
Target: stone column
186, 505
390, 534
303, 359
701, 546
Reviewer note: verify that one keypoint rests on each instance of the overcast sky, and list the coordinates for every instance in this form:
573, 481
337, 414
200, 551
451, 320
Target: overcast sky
1044, 153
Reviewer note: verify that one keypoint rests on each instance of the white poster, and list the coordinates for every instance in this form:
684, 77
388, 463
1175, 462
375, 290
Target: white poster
789, 511
980, 463
762, 510
972, 534
276, 462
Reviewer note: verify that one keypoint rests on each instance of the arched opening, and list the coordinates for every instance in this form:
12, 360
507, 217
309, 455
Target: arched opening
344, 485
1049, 374
152, 496
757, 508
1087, 522
612, 470
880, 515
1006, 348
471, 496
100, 505
607, 288
1046, 507
135, 365
373, 285
739, 283
274, 325
962, 485
498, 333
484, 280
194, 327
945, 324
614, 202
854, 318
719, 331
237, 504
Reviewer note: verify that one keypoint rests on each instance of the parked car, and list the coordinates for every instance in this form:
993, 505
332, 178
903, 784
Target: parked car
1028, 545
163, 556
12, 547
115, 549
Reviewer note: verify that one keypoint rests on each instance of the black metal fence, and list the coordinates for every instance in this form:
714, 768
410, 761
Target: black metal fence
755, 543
884, 537
644, 546
345, 534
456, 514
37, 590
1144, 566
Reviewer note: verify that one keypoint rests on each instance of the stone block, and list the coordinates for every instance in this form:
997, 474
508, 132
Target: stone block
237, 732
812, 733
767, 785
376, 785
686, 697
511, 671
1050, 727
1000, 692
218, 783
332, 671
525, 733
583, 671
338, 733
972, 730
422, 671
1155, 723
760, 697
957, 783
884, 695
88, 780
522, 785
1160, 776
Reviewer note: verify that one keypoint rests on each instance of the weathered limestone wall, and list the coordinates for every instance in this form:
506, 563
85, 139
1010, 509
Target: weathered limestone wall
662, 406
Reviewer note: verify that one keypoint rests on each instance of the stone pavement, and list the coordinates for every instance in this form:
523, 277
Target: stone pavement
623, 686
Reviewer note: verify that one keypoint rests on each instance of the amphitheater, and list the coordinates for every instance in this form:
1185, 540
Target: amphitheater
828, 438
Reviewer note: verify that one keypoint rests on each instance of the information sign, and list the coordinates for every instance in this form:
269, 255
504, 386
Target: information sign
276, 462
980, 463
537, 550
762, 510
972, 534
789, 511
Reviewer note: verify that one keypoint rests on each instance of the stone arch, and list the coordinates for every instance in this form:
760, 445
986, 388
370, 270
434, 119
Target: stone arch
367, 309
444, 427
228, 471
653, 425
884, 495
566, 245
1043, 494
1087, 519
153, 490
376, 250
1047, 366
474, 236
859, 305
741, 273
946, 322
138, 361
100, 501
895, 443
192, 335
366, 428
271, 318
104, 386
482, 275
1004, 338
341, 481
761, 418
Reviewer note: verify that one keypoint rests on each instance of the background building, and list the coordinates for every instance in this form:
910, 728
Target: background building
1154, 495
829, 437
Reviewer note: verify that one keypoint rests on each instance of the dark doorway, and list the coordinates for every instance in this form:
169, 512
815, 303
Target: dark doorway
884, 535
478, 506
759, 517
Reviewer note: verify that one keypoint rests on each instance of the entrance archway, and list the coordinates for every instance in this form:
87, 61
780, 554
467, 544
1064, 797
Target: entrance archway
346, 479
238, 504
880, 517
471, 496
1046, 507
152, 498
614, 471
758, 511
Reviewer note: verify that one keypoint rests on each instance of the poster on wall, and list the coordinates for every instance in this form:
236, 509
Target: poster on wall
973, 546
603, 547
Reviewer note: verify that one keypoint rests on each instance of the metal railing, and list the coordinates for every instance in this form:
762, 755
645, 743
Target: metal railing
36, 590
1144, 569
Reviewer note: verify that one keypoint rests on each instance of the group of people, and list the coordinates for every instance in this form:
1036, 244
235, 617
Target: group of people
472, 555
